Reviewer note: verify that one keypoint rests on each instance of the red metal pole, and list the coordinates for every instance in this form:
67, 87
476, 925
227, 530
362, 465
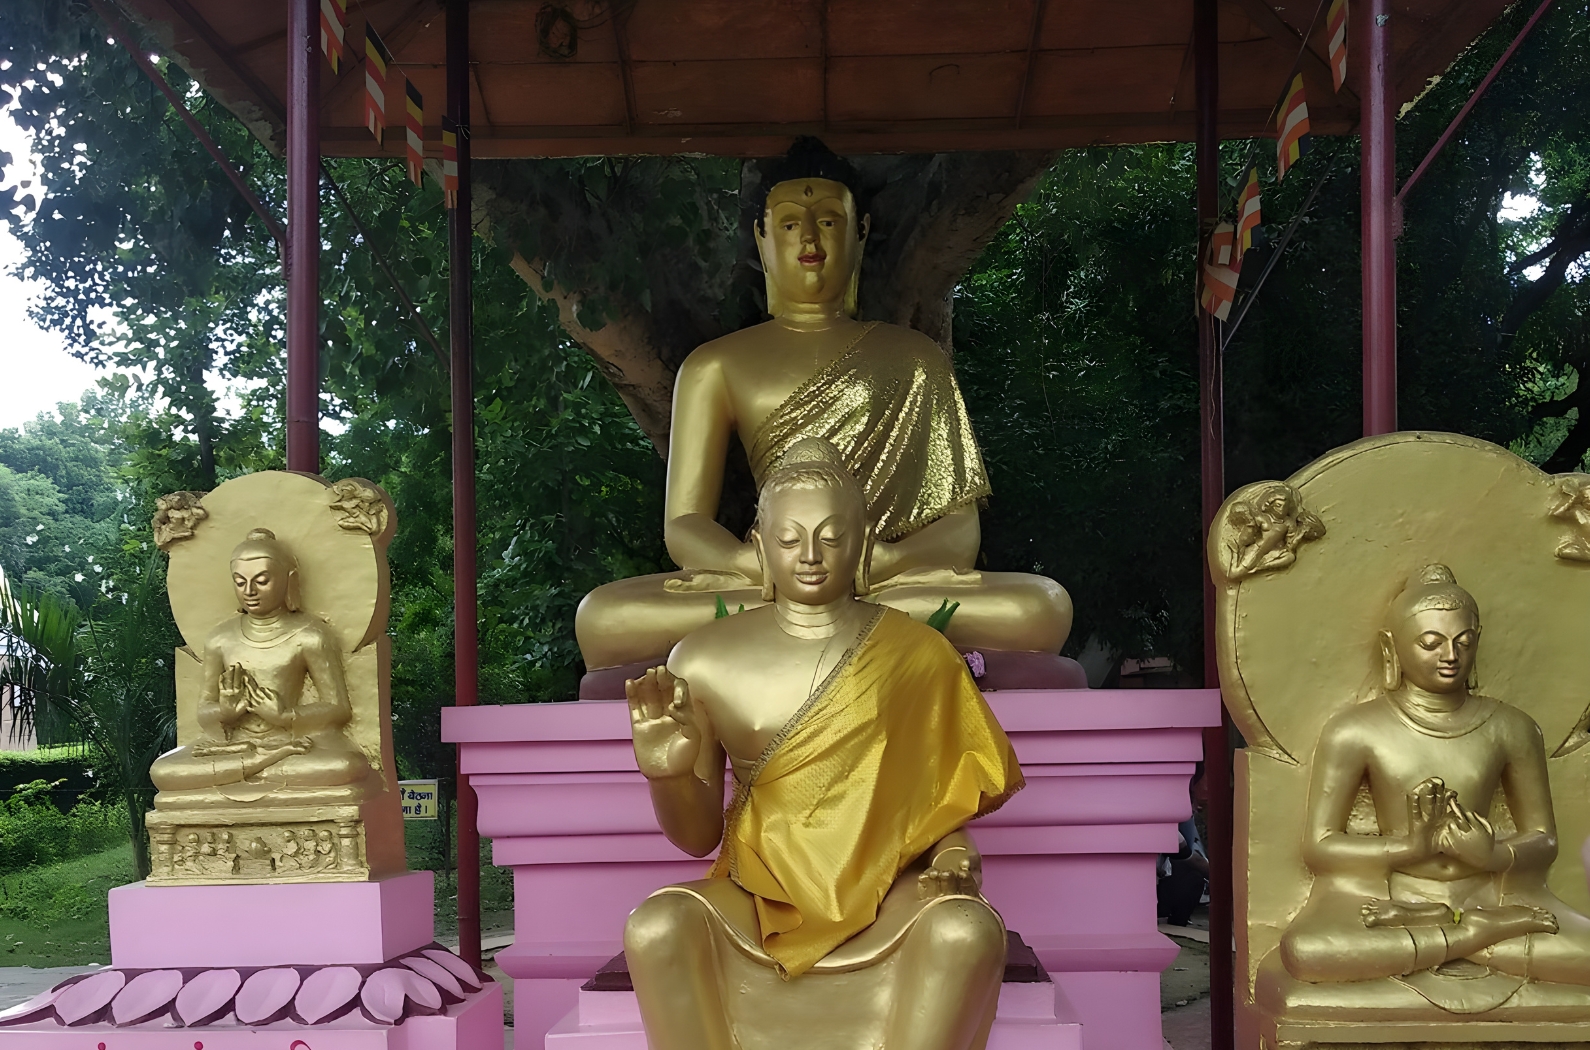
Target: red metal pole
1378, 146
1211, 435
303, 236
466, 642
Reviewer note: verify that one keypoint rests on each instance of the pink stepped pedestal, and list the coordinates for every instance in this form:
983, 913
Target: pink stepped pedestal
1030, 1017
1069, 862
307, 966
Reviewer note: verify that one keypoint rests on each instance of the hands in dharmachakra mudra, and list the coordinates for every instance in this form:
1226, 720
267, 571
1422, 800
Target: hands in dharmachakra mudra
860, 749
1440, 884
258, 725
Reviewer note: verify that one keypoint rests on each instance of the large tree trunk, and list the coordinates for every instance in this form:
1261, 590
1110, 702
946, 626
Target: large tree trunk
639, 290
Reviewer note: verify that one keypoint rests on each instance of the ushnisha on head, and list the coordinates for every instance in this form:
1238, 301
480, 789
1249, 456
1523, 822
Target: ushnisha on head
265, 575
810, 229
1432, 634
811, 532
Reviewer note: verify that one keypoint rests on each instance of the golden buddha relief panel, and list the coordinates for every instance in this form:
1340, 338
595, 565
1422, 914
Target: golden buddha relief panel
283, 710
1413, 527
325, 850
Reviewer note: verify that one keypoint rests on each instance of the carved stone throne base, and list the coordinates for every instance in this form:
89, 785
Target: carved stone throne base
248, 845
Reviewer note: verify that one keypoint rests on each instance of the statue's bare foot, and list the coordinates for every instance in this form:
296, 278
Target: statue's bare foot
1513, 920
1401, 913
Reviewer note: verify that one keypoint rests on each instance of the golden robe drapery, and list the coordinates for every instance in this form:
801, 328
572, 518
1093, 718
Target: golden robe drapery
896, 750
894, 411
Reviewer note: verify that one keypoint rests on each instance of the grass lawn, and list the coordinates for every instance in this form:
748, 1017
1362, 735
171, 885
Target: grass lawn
54, 915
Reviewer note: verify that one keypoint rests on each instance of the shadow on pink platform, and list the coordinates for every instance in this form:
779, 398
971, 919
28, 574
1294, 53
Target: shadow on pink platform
1069, 862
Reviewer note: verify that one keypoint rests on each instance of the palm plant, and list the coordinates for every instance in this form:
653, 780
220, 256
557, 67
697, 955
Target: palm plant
107, 673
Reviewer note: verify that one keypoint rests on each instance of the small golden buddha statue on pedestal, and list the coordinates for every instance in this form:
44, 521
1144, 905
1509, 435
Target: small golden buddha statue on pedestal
1409, 802
1436, 760
885, 396
284, 768
259, 727
844, 906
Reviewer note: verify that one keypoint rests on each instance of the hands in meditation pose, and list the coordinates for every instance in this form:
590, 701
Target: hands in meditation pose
885, 396
860, 749
259, 728
1441, 883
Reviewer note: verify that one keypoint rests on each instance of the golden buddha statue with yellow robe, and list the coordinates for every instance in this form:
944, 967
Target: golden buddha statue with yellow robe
843, 907
1409, 801
284, 766
884, 395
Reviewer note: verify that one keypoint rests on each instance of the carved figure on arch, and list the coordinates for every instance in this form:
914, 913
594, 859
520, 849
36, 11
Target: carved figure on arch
1572, 505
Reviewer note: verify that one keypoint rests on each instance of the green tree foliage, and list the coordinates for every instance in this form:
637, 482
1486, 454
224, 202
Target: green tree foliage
1077, 357
59, 504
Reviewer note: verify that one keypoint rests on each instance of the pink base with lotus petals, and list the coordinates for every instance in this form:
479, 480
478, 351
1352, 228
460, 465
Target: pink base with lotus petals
310, 966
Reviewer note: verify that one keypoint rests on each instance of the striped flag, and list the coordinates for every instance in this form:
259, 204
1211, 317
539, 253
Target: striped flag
376, 61
449, 164
1336, 26
334, 31
1292, 124
414, 123
1248, 215
1220, 269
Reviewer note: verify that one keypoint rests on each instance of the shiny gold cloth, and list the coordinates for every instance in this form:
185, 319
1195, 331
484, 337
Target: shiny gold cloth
894, 751
896, 415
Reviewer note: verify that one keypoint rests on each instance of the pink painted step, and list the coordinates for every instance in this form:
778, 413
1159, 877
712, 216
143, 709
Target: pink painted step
1034, 1016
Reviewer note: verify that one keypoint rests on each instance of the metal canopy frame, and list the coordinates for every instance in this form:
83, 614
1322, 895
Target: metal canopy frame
306, 125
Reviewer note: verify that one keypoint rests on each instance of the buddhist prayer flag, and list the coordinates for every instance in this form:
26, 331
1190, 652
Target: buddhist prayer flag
1220, 268
377, 59
1248, 216
1293, 140
449, 164
334, 31
414, 123
1336, 28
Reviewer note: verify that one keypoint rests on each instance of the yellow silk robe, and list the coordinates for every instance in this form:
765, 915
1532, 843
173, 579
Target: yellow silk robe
896, 750
894, 412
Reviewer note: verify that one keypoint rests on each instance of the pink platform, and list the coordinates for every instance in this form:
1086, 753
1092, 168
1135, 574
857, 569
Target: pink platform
1030, 1017
1069, 862
306, 966
323, 922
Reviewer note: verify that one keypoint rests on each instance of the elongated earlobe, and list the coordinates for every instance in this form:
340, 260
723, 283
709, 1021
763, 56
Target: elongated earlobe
1390, 666
767, 594
864, 566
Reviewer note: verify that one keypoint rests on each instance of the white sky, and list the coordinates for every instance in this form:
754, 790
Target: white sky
36, 372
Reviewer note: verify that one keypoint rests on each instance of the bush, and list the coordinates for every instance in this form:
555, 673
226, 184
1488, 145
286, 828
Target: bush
72, 764
34, 831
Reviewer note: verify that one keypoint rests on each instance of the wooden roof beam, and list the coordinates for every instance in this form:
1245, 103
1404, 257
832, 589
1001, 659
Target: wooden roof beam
1032, 51
624, 71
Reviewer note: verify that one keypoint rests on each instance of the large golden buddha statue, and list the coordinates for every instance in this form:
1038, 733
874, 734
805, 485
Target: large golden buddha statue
885, 396
1404, 789
284, 769
843, 907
